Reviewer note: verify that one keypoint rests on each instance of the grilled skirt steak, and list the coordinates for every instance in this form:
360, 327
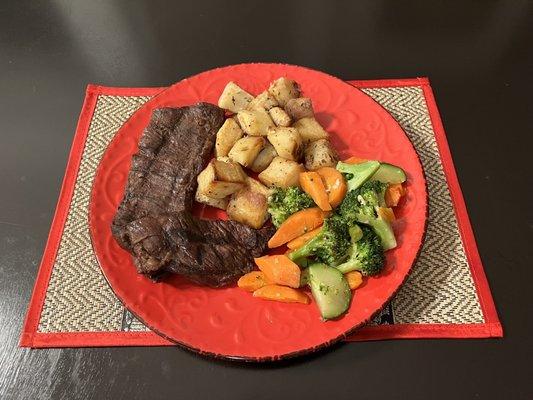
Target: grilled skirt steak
154, 221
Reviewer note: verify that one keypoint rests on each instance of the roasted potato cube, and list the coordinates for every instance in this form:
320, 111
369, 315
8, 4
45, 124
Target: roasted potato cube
264, 100
234, 98
229, 171
284, 89
264, 158
255, 122
248, 207
287, 142
246, 150
227, 135
210, 186
299, 108
310, 130
279, 116
281, 173
258, 187
224, 158
210, 201
320, 153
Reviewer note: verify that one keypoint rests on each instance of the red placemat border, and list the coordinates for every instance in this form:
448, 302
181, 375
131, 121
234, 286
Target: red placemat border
31, 338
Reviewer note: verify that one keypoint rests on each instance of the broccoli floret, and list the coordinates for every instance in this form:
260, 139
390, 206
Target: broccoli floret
365, 253
285, 202
360, 206
357, 174
362, 202
329, 246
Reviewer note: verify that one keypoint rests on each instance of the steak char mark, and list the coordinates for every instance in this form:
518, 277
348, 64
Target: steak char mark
154, 221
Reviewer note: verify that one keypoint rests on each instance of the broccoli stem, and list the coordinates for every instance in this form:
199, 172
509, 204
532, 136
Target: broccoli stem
306, 250
348, 266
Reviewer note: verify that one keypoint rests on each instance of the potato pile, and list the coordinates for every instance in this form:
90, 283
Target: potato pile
271, 134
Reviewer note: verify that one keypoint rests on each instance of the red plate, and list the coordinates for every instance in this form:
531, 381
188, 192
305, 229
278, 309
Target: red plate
228, 322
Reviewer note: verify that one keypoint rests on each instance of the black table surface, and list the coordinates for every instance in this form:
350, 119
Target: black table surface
479, 58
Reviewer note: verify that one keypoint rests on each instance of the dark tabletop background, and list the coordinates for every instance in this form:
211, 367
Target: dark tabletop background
479, 58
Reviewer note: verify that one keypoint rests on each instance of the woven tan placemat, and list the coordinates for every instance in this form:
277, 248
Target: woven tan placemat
441, 290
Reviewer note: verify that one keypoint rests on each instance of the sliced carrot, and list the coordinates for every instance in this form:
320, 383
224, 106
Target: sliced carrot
393, 194
296, 225
355, 160
386, 213
279, 269
311, 183
334, 183
300, 241
282, 293
354, 278
252, 281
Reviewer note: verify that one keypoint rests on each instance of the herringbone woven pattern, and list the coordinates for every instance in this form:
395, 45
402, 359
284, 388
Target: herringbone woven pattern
78, 297
439, 290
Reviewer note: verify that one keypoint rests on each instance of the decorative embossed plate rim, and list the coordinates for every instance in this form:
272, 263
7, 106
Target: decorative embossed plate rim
229, 323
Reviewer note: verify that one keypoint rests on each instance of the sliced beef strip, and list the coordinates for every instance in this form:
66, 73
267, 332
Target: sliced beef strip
154, 221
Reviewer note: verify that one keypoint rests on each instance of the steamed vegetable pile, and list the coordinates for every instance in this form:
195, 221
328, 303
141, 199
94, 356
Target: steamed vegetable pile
334, 217
337, 228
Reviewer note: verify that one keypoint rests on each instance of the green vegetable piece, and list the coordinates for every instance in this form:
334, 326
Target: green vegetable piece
356, 233
388, 173
285, 202
302, 262
357, 174
330, 290
359, 207
304, 277
365, 254
384, 230
329, 246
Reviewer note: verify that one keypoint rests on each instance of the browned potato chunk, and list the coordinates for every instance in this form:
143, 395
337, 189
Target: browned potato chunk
299, 108
248, 207
210, 201
281, 173
264, 158
310, 130
227, 135
286, 141
279, 116
258, 187
284, 89
229, 171
234, 98
320, 153
209, 184
255, 122
264, 100
246, 150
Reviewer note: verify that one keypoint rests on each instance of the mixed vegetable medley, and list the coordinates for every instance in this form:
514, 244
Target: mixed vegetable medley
334, 217
336, 226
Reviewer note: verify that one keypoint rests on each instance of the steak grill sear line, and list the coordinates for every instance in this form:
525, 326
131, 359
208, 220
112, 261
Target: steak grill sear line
154, 221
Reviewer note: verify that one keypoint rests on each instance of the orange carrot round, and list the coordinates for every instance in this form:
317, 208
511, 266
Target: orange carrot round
296, 225
355, 160
301, 240
386, 214
282, 293
279, 269
311, 183
334, 183
393, 194
252, 281
354, 278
